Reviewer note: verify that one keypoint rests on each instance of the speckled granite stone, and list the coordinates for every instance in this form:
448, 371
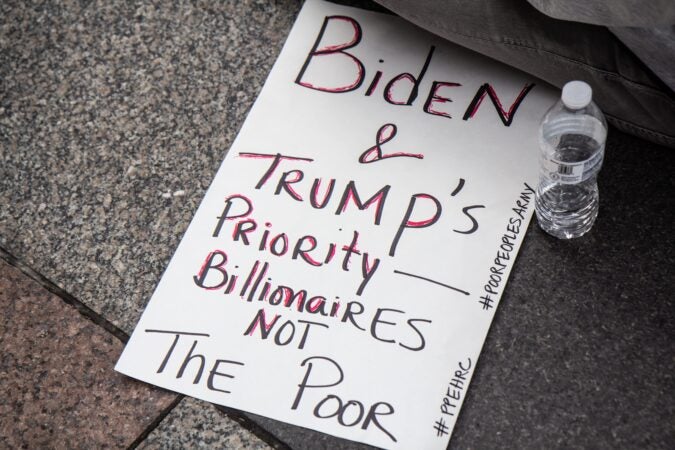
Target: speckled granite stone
197, 424
56, 378
304, 438
114, 117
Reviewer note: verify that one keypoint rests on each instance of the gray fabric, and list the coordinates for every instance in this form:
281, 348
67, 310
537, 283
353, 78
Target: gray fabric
610, 13
654, 46
512, 31
646, 27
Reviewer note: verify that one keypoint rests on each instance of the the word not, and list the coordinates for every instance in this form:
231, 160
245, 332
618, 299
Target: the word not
285, 333
387, 325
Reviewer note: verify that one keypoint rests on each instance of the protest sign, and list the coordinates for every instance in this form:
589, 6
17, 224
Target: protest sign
343, 268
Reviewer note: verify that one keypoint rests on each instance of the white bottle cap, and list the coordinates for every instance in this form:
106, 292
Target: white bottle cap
576, 94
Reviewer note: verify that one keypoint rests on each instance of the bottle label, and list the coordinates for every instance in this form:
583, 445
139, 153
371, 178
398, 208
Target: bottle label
572, 173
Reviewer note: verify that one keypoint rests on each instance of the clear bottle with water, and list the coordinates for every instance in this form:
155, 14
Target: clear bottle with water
572, 146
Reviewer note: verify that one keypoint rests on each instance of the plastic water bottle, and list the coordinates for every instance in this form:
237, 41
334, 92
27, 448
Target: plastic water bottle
572, 142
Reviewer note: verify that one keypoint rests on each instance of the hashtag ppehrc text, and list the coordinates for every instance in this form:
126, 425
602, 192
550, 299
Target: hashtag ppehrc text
507, 246
453, 395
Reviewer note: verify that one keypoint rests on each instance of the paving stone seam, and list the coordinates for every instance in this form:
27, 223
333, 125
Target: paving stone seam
264, 435
49, 285
94, 317
101, 321
155, 423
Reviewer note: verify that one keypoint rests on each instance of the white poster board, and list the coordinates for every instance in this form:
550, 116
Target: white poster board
343, 269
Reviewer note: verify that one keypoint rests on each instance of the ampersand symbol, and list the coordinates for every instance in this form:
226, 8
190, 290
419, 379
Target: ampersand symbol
385, 134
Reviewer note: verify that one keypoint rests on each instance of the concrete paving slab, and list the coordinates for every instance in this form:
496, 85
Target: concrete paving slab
58, 386
197, 424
